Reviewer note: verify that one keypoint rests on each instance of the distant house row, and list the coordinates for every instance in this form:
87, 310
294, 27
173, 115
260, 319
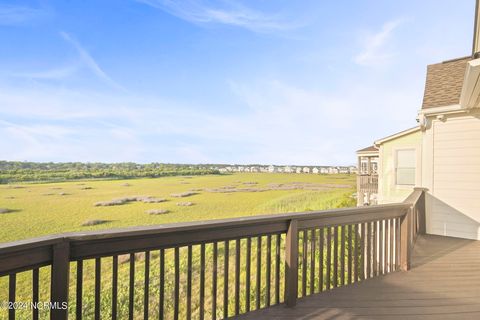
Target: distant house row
290, 169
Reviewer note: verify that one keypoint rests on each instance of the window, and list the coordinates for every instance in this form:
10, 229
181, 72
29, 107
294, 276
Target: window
405, 167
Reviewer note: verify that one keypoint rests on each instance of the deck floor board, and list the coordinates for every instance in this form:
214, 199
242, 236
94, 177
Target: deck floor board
444, 283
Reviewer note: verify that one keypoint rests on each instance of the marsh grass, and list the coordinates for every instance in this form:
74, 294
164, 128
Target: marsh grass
39, 215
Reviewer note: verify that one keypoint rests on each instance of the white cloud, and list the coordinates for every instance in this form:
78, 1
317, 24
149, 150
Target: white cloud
51, 74
90, 62
12, 15
282, 123
224, 12
374, 50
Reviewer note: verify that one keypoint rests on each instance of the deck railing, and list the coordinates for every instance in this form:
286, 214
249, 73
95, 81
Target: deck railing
367, 187
212, 269
368, 182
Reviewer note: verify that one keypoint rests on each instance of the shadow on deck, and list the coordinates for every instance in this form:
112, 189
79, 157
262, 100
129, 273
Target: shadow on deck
444, 283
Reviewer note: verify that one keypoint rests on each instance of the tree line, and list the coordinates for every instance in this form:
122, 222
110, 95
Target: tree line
18, 171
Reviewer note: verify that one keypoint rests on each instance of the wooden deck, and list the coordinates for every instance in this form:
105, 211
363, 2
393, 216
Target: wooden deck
444, 283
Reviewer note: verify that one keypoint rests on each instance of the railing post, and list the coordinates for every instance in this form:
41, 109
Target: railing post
405, 240
422, 218
291, 264
59, 284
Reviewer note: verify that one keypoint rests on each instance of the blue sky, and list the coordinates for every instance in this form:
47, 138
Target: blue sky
264, 81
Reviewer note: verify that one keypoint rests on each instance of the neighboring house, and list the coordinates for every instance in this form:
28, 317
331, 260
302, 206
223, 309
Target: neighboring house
299, 170
315, 171
271, 168
306, 170
442, 154
288, 169
332, 170
367, 179
343, 170
324, 170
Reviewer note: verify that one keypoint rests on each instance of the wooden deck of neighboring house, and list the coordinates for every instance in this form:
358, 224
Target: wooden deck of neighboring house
444, 283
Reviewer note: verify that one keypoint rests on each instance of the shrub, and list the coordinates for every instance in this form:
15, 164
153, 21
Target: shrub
157, 211
183, 194
185, 204
94, 222
120, 201
153, 200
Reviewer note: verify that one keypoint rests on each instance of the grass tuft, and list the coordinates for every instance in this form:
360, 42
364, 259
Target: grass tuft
94, 222
157, 211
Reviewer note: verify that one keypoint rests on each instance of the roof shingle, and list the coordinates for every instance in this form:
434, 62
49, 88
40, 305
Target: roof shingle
444, 83
368, 149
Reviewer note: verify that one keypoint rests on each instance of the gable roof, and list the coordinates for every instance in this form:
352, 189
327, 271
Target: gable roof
397, 135
368, 149
444, 83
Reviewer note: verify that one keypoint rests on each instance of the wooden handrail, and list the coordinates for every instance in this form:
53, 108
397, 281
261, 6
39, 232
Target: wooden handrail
358, 225
26, 254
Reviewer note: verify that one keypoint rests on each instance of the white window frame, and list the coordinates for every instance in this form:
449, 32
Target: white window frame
395, 155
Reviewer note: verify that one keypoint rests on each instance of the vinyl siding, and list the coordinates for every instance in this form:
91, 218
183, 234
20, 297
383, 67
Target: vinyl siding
455, 194
388, 190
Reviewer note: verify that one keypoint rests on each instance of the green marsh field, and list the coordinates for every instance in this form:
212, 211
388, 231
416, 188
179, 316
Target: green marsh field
37, 209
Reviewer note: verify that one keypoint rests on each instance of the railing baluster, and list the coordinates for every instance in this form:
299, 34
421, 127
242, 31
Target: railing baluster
79, 294
312, 261
131, 293
321, 251
291, 264
369, 249
356, 252
268, 263
247, 275
12, 286
375, 249
259, 273
335, 256
161, 308
35, 292
214, 281
114, 286
146, 286
304, 262
390, 245
328, 274
189, 282
381, 247
277, 268
397, 243
237, 276
385, 246
177, 283
342, 255
349, 258
225, 278
362, 248
202, 281
98, 286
